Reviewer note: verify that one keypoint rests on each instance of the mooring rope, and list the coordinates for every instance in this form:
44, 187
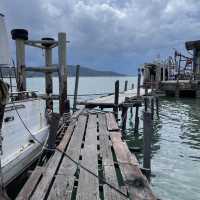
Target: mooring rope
69, 157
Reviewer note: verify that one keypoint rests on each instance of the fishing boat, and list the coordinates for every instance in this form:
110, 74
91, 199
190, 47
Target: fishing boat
24, 125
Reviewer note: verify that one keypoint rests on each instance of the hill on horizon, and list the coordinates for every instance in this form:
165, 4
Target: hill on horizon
71, 69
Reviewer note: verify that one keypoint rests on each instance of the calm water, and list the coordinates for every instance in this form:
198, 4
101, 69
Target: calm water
176, 140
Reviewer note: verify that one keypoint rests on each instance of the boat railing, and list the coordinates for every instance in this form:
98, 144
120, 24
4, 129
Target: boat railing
15, 96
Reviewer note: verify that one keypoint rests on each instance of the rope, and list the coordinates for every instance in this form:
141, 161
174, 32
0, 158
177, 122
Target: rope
69, 157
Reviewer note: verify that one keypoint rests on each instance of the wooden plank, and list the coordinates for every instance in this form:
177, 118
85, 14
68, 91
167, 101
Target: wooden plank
51, 167
111, 122
138, 187
63, 185
31, 184
47, 179
88, 186
107, 162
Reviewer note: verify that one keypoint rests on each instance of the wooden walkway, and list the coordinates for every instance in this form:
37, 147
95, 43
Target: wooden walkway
108, 101
94, 141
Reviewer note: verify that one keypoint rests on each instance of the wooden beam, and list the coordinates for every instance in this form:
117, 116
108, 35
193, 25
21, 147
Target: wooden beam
43, 69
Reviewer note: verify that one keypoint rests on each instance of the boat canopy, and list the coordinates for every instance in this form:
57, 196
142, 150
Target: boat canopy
5, 56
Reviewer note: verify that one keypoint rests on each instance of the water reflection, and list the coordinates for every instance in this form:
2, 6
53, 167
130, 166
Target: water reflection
175, 148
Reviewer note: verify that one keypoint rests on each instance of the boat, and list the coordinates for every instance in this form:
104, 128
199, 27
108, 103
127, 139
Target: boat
24, 126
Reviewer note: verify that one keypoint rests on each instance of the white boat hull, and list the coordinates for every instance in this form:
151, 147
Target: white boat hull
19, 147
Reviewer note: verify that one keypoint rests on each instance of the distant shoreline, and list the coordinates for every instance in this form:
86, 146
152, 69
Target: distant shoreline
71, 69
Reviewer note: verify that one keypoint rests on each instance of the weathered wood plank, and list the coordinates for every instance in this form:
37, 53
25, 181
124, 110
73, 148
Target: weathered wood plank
31, 184
108, 163
88, 186
138, 187
111, 122
63, 185
51, 167
47, 179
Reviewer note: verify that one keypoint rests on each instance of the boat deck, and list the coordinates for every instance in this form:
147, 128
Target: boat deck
96, 164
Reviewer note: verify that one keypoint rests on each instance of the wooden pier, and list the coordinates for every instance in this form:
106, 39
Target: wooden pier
91, 162
108, 101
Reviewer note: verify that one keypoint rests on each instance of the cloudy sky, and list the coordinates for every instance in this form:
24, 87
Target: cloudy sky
116, 35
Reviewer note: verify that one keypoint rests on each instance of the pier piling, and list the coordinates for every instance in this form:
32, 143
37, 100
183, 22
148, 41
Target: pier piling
148, 130
20, 35
116, 100
126, 85
62, 50
76, 87
124, 117
157, 106
137, 107
48, 75
152, 107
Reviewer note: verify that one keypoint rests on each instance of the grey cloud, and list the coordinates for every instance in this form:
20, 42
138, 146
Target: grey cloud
109, 34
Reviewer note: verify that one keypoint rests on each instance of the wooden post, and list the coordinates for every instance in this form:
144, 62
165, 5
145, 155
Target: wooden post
131, 110
152, 107
177, 92
157, 106
62, 50
138, 83
146, 98
20, 59
148, 130
124, 117
53, 127
116, 100
126, 85
137, 120
48, 78
76, 87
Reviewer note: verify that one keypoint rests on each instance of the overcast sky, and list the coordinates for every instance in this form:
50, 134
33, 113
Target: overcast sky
116, 35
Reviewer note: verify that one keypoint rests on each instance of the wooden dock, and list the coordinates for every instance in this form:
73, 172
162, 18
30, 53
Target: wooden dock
108, 101
95, 163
